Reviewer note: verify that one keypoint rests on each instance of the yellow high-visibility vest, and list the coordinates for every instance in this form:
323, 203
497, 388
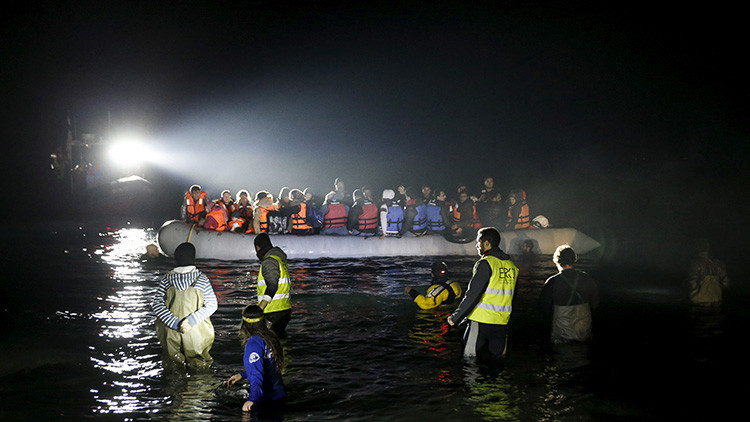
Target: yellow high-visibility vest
495, 305
282, 300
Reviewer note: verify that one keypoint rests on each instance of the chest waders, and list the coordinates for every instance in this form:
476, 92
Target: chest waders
191, 348
571, 322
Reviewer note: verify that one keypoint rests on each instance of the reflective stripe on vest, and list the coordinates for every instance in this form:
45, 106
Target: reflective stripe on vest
495, 305
282, 299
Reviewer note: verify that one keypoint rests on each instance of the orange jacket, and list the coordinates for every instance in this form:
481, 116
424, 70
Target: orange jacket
194, 208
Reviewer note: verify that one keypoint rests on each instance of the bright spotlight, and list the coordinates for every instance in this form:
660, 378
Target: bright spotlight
127, 153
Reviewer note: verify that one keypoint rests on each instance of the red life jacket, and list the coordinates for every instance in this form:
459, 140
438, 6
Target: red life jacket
194, 208
368, 220
299, 220
336, 216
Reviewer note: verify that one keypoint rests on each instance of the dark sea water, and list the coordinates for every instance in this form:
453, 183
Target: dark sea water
78, 342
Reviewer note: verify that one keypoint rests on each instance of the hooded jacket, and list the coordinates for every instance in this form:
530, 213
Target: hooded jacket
271, 270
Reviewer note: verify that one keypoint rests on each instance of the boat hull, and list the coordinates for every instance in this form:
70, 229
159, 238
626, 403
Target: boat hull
210, 244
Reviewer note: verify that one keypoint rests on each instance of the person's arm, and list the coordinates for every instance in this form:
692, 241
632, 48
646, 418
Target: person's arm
477, 285
383, 213
160, 308
254, 372
546, 297
409, 214
427, 302
210, 304
271, 275
352, 221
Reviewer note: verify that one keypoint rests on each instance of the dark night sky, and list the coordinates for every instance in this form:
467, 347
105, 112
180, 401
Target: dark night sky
627, 116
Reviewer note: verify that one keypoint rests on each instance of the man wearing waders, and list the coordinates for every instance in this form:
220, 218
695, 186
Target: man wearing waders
706, 278
183, 303
488, 301
569, 295
274, 285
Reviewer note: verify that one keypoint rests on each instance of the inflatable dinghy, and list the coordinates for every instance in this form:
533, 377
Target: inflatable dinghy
227, 246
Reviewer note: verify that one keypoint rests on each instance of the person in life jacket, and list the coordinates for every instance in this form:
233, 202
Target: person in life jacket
707, 277
194, 207
363, 216
335, 216
427, 193
264, 363
391, 215
242, 215
263, 205
415, 215
462, 217
440, 292
274, 284
492, 212
226, 203
438, 213
297, 208
279, 221
488, 302
183, 304
569, 296
216, 219
314, 215
518, 211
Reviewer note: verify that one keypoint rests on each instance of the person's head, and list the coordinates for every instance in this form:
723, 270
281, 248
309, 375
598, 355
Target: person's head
262, 195
338, 185
296, 195
487, 238
463, 196
308, 194
357, 195
441, 196
262, 242
564, 256
439, 270
284, 194
426, 190
410, 193
367, 192
489, 182
254, 324
512, 198
184, 254
243, 197
152, 250
388, 194
527, 246
226, 196
195, 192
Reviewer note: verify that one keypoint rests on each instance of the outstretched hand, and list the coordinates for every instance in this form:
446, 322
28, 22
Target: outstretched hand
234, 378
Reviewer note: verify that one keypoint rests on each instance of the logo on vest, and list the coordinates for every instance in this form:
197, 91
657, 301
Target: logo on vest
254, 357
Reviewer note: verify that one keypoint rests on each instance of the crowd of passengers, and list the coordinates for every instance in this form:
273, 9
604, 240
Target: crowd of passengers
403, 212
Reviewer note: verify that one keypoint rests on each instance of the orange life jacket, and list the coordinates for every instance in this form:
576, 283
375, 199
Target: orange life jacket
194, 208
237, 223
475, 223
299, 220
263, 217
336, 216
228, 208
218, 217
524, 219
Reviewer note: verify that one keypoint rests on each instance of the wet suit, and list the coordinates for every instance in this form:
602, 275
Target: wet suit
439, 293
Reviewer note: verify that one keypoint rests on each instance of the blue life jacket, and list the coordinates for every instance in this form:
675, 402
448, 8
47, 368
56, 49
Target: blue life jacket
420, 220
434, 218
395, 219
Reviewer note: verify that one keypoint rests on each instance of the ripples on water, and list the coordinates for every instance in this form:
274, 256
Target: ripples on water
80, 342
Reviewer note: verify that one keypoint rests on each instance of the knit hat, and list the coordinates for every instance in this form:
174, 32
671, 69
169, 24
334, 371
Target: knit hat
184, 254
262, 240
389, 194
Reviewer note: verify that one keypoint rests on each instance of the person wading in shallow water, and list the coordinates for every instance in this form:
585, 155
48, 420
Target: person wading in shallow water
183, 303
274, 284
263, 360
487, 304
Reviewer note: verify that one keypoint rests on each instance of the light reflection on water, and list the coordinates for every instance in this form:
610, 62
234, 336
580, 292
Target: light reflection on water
358, 349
